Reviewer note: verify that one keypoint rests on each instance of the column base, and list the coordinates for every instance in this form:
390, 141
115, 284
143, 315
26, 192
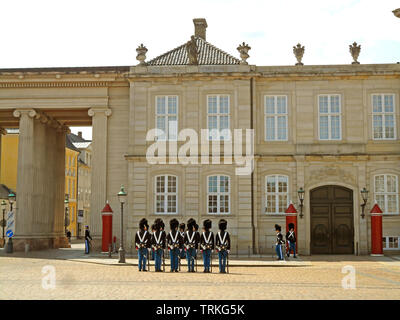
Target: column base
41, 244
376, 255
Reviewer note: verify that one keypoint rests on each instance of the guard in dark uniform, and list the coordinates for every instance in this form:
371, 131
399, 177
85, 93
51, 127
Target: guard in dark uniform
182, 254
279, 242
158, 244
191, 243
88, 238
222, 244
175, 243
207, 244
142, 243
291, 240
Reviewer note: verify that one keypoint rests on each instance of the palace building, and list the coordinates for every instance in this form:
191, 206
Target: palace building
331, 130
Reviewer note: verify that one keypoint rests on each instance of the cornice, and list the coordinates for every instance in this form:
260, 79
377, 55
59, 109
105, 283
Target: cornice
62, 84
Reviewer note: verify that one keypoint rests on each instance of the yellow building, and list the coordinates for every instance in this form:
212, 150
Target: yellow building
9, 164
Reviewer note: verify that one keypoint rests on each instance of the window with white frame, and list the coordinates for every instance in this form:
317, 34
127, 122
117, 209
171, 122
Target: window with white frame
166, 194
218, 195
167, 117
383, 117
391, 243
275, 118
386, 193
276, 193
218, 117
329, 109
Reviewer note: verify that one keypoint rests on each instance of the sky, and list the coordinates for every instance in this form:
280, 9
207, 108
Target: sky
71, 33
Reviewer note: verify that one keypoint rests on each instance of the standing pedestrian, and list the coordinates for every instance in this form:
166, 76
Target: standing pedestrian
88, 239
222, 244
207, 244
291, 240
279, 242
69, 236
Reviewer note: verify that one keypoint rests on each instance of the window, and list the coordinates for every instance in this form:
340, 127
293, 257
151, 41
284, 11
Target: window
218, 117
276, 193
218, 195
386, 193
383, 119
275, 118
329, 117
167, 117
391, 243
166, 195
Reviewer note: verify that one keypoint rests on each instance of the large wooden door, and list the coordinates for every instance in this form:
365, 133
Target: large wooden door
332, 230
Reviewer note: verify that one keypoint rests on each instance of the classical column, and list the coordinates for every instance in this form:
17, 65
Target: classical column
2, 131
99, 168
25, 186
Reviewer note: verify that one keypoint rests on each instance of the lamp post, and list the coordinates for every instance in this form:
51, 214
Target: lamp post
3, 222
11, 200
300, 193
66, 218
364, 195
122, 198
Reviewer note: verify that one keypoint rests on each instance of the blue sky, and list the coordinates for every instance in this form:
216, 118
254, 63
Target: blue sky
99, 33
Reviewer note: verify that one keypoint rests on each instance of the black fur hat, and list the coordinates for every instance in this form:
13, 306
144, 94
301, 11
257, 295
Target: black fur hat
159, 224
291, 226
153, 227
190, 223
207, 224
143, 223
222, 224
174, 224
182, 226
196, 226
278, 227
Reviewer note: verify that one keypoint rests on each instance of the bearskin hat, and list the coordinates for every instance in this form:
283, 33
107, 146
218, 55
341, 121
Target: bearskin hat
159, 224
207, 224
182, 226
196, 227
174, 224
222, 224
278, 227
190, 223
153, 227
291, 226
143, 223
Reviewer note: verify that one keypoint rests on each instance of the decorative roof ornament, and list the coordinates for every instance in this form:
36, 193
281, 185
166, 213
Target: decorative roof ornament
141, 54
298, 51
243, 50
355, 52
192, 51
397, 12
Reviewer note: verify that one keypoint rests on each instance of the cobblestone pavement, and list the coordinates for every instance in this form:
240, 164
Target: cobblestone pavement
21, 278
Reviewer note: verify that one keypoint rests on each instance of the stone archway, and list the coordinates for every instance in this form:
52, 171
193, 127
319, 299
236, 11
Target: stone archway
332, 223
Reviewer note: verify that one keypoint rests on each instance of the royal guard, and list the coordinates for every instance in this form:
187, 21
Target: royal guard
158, 244
142, 243
191, 243
175, 242
222, 244
279, 242
207, 244
291, 240
182, 254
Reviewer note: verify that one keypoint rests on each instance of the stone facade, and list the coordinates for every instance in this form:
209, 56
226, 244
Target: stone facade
120, 103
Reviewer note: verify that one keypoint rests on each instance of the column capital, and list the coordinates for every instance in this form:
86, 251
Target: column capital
106, 111
3, 131
30, 112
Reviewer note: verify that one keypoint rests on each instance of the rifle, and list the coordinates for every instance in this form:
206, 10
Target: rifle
196, 259
163, 259
148, 259
227, 261
211, 260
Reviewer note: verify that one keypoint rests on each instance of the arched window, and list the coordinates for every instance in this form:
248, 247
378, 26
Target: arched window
276, 194
218, 194
386, 193
166, 195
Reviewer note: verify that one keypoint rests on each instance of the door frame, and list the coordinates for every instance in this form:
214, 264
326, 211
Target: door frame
356, 216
